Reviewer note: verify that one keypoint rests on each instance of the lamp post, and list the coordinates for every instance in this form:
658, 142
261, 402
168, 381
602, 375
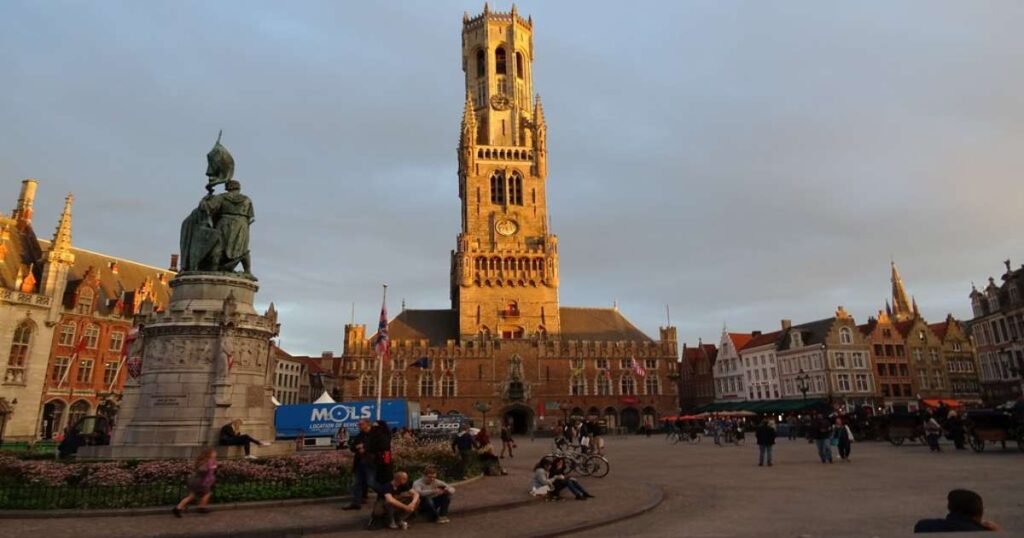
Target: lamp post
801, 384
483, 408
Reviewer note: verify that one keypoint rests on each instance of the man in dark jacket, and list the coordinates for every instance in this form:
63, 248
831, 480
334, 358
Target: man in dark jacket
765, 440
965, 511
364, 473
463, 446
821, 431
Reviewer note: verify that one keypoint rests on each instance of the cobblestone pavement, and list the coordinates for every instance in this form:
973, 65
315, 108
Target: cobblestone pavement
720, 491
708, 492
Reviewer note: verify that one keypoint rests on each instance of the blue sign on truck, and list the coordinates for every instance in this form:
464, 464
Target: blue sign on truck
323, 420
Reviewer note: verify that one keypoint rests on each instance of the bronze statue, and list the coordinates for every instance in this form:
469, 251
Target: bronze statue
220, 165
215, 236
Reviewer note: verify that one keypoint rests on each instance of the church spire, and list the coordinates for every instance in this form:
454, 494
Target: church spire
60, 248
900, 303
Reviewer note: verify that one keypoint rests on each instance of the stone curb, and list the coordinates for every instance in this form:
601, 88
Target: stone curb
655, 497
156, 510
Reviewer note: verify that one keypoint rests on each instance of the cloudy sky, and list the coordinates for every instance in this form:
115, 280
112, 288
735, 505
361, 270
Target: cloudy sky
741, 162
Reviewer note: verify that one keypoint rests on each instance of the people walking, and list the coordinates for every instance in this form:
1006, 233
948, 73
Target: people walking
507, 443
821, 432
765, 435
200, 484
794, 427
843, 437
463, 447
932, 432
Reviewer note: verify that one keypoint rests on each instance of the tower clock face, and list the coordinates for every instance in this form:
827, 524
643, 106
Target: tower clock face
506, 227
500, 102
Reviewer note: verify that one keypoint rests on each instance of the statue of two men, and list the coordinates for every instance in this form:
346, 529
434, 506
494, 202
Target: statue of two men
215, 236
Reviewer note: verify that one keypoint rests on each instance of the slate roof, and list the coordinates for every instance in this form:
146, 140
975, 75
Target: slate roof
437, 326
813, 332
595, 324
20, 250
598, 324
123, 284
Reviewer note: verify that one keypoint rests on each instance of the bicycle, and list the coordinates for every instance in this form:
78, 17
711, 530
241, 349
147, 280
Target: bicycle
578, 461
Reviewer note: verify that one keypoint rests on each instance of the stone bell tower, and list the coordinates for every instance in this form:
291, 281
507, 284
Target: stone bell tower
504, 279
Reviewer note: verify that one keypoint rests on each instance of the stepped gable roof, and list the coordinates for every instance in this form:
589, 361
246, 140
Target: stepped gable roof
740, 339
599, 324
867, 328
18, 252
813, 332
122, 285
940, 329
764, 339
904, 327
436, 326
704, 350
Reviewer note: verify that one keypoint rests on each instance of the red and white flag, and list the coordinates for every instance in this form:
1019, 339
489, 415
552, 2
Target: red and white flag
637, 369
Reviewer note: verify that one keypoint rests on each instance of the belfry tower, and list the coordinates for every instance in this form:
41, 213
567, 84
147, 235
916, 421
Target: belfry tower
504, 278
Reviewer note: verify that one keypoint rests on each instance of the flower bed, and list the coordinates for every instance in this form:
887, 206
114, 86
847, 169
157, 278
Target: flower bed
49, 484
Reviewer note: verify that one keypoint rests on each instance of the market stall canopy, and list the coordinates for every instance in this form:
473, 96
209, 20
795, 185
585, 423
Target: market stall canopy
766, 407
325, 399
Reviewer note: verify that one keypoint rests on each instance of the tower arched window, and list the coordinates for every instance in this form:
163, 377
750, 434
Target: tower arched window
368, 386
18, 357
397, 385
427, 384
519, 65
499, 61
85, 298
578, 386
653, 385
627, 385
498, 188
448, 389
481, 63
604, 384
515, 189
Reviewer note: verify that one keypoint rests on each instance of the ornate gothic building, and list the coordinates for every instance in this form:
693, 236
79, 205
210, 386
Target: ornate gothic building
506, 344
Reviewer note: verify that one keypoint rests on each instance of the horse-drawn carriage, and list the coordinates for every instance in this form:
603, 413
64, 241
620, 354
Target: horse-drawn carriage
995, 426
898, 428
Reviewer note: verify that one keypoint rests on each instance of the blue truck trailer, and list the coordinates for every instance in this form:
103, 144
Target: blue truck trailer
316, 422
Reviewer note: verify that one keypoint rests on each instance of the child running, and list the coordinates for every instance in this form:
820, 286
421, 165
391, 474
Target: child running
200, 484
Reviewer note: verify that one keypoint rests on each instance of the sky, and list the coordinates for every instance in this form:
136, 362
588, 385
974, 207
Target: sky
740, 162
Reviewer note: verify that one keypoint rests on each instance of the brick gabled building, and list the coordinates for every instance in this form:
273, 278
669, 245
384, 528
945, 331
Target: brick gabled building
697, 378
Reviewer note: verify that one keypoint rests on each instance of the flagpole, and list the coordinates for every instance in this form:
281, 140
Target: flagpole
380, 359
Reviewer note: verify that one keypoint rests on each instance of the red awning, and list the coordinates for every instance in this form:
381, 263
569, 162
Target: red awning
937, 403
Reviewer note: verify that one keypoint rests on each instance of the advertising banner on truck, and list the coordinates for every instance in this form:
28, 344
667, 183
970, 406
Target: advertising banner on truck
323, 420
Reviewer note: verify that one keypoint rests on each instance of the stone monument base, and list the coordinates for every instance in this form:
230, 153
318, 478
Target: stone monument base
207, 360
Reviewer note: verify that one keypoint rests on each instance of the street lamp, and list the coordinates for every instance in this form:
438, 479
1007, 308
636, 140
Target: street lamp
483, 407
801, 384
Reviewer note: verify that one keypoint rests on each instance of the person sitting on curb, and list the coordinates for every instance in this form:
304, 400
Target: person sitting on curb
435, 495
965, 511
231, 435
398, 501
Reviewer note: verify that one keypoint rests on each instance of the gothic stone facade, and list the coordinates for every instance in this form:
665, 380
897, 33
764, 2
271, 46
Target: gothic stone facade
506, 343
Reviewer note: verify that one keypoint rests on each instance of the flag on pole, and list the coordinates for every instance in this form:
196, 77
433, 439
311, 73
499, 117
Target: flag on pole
74, 358
383, 344
637, 369
422, 363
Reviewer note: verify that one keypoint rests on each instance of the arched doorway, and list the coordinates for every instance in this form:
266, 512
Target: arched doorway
53, 418
611, 419
577, 414
78, 410
630, 419
519, 419
593, 414
650, 418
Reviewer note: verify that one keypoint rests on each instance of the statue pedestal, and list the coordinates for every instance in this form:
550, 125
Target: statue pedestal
206, 362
